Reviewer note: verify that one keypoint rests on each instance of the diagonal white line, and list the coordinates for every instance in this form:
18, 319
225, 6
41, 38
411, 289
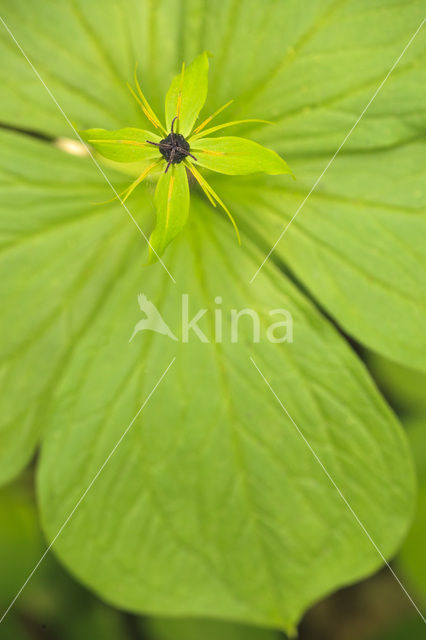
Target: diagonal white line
86, 146
92, 482
341, 145
340, 493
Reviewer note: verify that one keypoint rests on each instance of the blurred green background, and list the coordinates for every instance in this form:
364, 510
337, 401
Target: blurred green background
53, 606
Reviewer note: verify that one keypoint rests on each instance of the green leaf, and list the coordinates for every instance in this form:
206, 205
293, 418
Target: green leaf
174, 503
100, 390
213, 481
187, 95
123, 145
237, 156
86, 54
172, 207
56, 245
357, 243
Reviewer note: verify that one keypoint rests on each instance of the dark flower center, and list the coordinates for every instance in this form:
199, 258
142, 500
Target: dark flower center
176, 142
174, 148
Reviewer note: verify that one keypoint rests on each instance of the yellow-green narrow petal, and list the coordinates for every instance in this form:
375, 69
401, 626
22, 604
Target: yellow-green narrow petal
145, 106
208, 132
210, 118
212, 196
127, 193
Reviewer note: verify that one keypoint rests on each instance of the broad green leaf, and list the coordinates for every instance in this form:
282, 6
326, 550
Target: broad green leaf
172, 206
85, 53
71, 272
97, 321
187, 95
357, 243
213, 489
123, 145
312, 67
291, 74
190, 629
237, 156
59, 251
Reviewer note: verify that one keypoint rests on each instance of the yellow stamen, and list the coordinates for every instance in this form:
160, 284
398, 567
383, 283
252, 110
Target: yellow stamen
110, 200
206, 186
126, 193
144, 100
146, 112
144, 104
207, 120
142, 176
200, 181
223, 126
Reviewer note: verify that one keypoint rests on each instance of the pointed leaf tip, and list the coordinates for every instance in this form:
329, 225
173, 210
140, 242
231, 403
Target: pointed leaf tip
187, 94
238, 156
172, 206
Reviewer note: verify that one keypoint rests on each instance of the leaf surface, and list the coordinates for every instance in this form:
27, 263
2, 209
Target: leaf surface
123, 145
357, 243
237, 156
187, 95
58, 253
172, 207
225, 515
213, 480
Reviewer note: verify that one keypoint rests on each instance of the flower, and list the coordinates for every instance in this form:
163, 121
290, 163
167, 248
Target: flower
182, 147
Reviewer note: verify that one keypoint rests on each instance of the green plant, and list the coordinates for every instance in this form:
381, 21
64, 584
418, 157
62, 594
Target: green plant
213, 505
229, 155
